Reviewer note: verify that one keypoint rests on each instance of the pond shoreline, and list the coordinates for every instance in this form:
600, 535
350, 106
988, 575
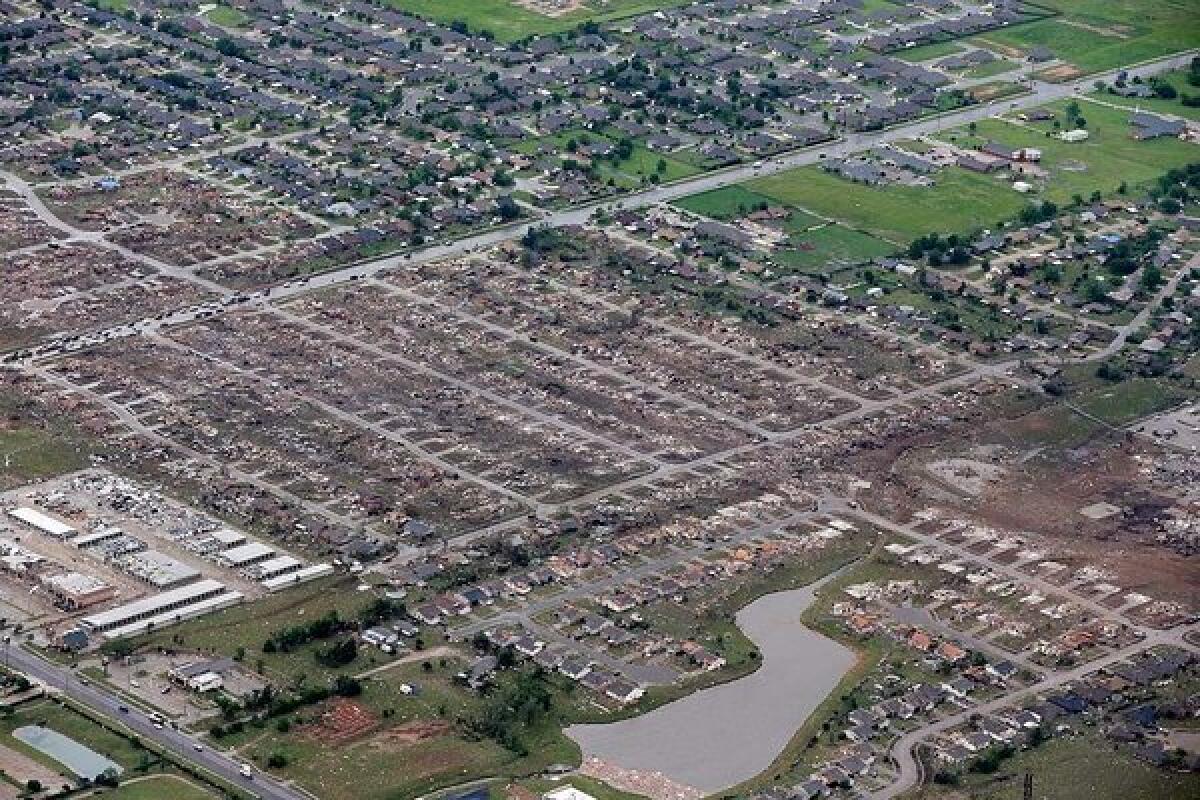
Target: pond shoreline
726, 734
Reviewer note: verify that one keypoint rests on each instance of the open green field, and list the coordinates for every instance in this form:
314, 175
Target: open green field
29, 454
1117, 404
510, 22
1158, 105
245, 628
832, 246
726, 203
1108, 158
73, 724
816, 244
414, 749
1122, 403
960, 201
226, 17
992, 68
644, 163
628, 173
1085, 768
156, 787
1096, 35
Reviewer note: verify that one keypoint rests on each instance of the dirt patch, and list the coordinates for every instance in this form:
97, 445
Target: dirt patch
21, 768
990, 91
1116, 32
342, 721
411, 733
1003, 49
966, 475
551, 8
654, 785
1059, 73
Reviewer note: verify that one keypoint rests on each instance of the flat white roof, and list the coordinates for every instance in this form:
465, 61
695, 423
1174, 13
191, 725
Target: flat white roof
299, 576
148, 605
44, 523
158, 568
87, 539
567, 793
76, 583
223, 600
244, 554
228, 537
273, 566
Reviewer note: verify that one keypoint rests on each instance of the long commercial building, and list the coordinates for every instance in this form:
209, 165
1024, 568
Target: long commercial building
246, 554
162, 609
297, 577
43, 522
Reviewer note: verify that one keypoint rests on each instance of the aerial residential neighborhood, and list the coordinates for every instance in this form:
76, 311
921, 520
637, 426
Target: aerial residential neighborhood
600, 399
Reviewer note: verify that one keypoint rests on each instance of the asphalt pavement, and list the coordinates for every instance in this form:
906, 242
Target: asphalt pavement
187, 748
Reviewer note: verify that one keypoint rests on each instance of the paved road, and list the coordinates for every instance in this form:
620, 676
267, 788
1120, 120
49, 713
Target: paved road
1139, 321
131, 421
182, 745
1040, 94
903, 749
629, 574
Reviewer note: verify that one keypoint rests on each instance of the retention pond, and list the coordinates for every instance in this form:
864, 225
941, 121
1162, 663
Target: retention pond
721, 736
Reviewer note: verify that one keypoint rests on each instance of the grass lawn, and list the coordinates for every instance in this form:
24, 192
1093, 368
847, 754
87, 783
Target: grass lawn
1118, 404
1108, 158
28, 454
73, 724
997, 67
830, 247
960, 201
816, 245
401, 761
1102, 34
248, 625
928, 52
156, 787
629, 172
1085, 768
644, 162
726, 203
226, 17
510, 22
1177, 79
1121, 404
